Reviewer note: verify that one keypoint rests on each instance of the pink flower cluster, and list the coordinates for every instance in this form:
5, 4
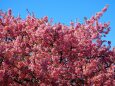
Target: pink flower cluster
34, 52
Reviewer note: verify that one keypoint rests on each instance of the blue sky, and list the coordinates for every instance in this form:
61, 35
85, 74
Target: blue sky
64, 10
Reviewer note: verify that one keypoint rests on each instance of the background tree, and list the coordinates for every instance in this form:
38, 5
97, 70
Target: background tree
34, 52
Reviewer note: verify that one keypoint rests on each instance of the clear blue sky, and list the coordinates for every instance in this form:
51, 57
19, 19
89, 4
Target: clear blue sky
64, 10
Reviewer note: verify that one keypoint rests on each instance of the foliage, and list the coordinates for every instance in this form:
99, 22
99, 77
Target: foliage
34, 52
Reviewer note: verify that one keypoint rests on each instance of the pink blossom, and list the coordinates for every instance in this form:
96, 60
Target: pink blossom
105, 8
36, 52
2, 74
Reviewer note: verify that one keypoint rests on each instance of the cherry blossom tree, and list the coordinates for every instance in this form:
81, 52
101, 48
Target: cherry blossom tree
35, 52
